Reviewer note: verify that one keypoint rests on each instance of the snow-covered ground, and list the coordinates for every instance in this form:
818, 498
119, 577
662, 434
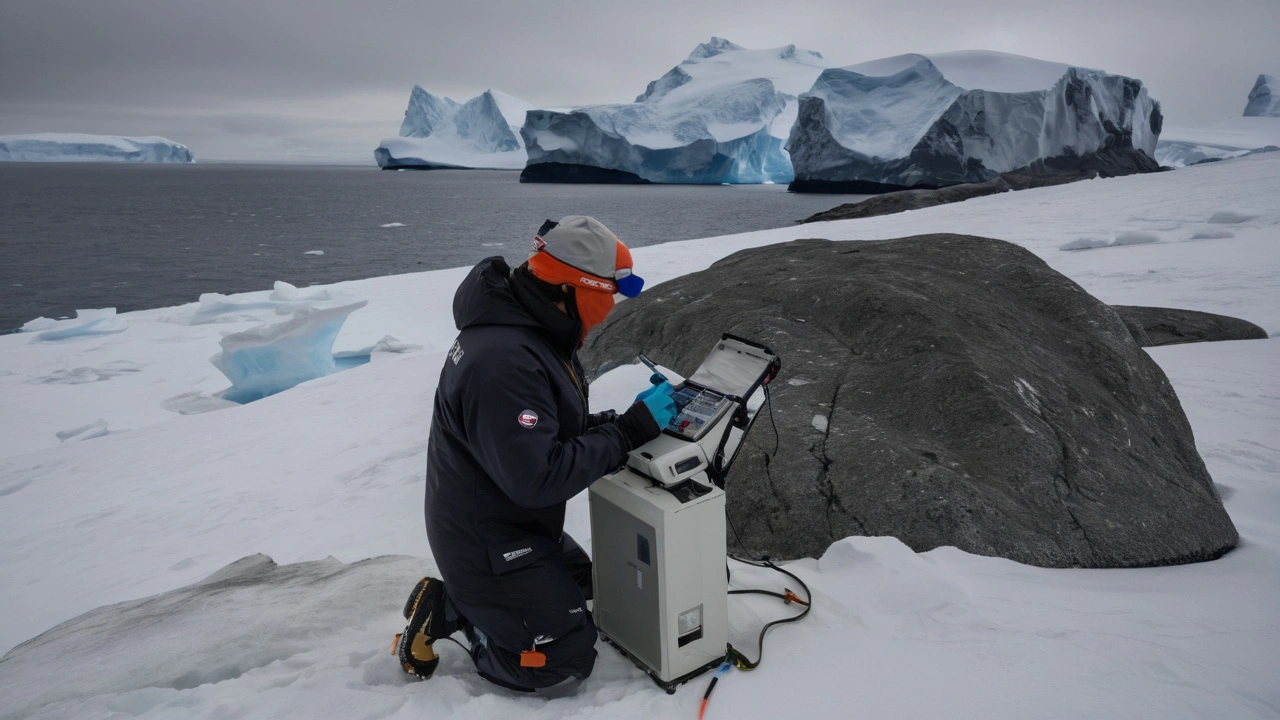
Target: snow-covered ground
81, 147
334, 467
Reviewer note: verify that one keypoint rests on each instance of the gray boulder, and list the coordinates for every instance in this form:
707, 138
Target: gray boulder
1154, 326
944, 390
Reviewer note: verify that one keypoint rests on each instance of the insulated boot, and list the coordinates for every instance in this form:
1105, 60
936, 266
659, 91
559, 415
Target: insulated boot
427, 623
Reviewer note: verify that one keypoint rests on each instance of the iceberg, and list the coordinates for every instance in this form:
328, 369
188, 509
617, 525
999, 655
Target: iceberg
1257, 130
721, 116
1264, 99
1231, 138
916, 121
437, 132
267, 359
79, 147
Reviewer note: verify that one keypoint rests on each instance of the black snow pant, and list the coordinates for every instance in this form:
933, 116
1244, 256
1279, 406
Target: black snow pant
548, 587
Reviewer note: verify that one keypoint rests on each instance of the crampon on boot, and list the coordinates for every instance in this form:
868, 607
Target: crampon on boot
425, 613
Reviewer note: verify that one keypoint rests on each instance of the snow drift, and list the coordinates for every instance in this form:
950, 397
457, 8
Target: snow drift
79, 147
483, 132
203, 634
932, 121
721, 116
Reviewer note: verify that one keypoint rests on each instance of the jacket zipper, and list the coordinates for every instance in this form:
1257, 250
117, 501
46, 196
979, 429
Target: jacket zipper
582, 397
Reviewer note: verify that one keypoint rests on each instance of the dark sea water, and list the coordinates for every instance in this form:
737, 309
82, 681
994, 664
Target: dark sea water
142, 236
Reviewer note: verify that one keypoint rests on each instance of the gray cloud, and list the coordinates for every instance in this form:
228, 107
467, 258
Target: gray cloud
322, 79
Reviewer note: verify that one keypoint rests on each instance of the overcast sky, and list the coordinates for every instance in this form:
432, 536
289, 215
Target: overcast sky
325, 80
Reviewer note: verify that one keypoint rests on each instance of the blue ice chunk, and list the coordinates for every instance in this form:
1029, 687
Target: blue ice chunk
267, 359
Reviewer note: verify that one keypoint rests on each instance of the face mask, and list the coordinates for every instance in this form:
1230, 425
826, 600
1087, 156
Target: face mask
593, 307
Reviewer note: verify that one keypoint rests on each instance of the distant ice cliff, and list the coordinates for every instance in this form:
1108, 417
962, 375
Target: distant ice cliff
79, 147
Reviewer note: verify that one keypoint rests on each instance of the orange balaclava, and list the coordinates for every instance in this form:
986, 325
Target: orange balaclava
581, 252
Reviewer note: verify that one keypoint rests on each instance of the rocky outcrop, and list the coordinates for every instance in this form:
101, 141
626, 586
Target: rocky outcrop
1154, 326
904, 200
556, 172
944, 390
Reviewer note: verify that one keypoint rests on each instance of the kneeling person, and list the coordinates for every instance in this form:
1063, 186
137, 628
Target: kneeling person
511, 441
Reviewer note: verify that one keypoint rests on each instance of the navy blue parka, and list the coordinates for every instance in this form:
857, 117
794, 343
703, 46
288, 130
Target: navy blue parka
511, 441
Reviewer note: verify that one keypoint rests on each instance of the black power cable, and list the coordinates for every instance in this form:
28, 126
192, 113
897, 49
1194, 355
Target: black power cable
741, 660
734, 657
768, 399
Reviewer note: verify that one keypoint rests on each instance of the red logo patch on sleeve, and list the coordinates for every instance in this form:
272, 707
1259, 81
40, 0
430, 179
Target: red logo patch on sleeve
528, 418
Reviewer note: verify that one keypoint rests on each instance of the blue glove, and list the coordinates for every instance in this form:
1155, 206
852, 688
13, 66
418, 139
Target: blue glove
658, 400
657, 383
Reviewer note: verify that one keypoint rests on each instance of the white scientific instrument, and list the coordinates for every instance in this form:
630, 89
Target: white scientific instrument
658, 523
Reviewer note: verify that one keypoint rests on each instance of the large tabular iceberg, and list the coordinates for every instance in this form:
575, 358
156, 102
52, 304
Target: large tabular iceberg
79, 147
721, 116
1258, 130
1264, 99
483, 132
932, 121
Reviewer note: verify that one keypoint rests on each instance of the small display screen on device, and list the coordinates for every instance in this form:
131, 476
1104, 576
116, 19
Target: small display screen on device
697, 408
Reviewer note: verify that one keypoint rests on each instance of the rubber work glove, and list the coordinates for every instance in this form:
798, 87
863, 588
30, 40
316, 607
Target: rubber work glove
658, 381
658, 400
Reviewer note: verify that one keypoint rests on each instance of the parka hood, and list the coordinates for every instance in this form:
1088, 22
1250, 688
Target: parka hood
492, 295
